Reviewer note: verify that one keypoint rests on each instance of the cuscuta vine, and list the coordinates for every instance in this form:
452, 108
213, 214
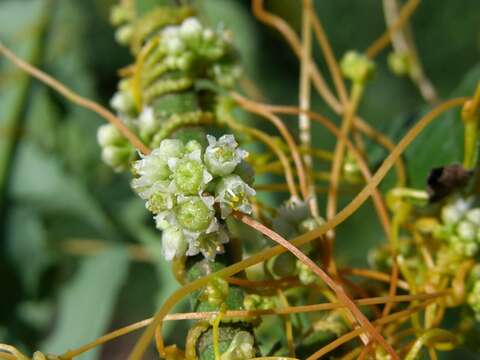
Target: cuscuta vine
150, 116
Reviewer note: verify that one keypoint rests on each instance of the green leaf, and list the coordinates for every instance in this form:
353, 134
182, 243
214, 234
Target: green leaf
87, 302
21, 26
441, 143
26, 243
39, 180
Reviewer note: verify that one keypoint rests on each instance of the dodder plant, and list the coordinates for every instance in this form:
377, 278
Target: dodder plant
177, 131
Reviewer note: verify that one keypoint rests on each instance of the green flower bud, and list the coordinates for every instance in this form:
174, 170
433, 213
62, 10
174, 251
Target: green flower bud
357, 67
189, 174
119, 14
174, 244
257, 302
117, 157
399, 63
284, 265
216, 291
232, 193
351, 170
222, 155
311, 224
195, 213
241, 347
123, 35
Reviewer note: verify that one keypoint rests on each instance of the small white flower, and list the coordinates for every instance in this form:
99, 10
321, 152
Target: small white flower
232, 194
223, 155
122, 102
174, 244
165, 219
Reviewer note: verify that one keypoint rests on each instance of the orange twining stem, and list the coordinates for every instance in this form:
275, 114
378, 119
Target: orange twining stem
339, 291
247, 313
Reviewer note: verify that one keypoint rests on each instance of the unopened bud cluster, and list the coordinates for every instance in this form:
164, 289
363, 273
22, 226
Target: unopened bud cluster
185, 184
461, 226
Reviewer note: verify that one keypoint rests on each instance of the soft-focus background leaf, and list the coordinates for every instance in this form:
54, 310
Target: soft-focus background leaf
87, 302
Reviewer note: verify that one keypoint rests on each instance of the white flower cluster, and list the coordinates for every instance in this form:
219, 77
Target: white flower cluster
191, 44
178, 183
461, 226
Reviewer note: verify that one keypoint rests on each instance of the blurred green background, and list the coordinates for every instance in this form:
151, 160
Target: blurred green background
78, 252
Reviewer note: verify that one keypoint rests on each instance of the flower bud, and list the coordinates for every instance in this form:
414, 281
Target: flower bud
216, 291
357, 67
123, 35
305, 274
241, 347
189, 175
399, 63
108, 134
122, 102
116, 156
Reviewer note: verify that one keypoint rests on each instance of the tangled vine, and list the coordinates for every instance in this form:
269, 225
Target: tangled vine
176, 129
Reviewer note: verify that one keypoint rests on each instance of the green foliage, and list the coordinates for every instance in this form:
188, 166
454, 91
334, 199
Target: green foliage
86, 303
54, 188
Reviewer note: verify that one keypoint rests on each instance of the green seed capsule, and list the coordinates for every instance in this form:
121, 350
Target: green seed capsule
193, 214
188, 176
